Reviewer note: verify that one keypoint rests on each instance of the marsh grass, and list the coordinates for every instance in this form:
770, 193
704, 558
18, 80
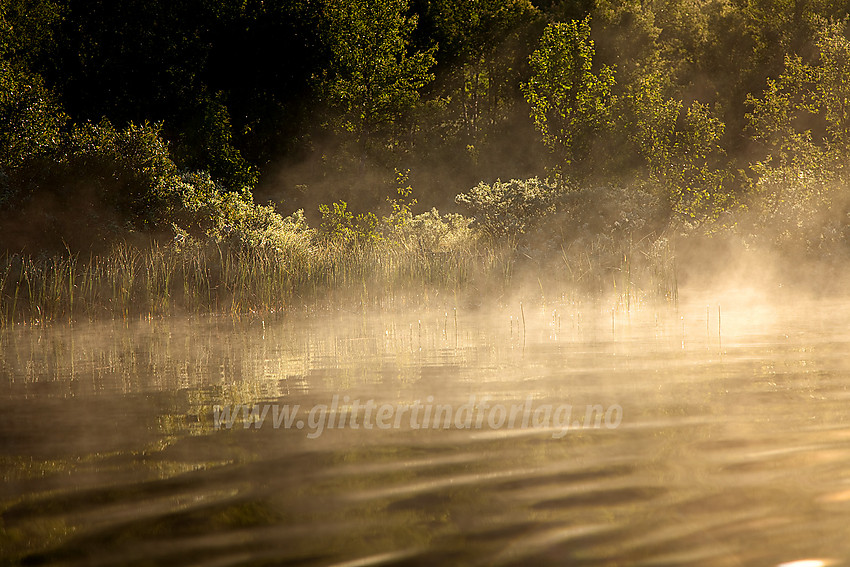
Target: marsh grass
630, 272
161, 280
188, 277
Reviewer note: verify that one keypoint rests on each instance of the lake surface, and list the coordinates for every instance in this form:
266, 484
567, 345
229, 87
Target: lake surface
433, 437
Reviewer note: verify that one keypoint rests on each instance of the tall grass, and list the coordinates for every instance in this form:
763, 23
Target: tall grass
161, 280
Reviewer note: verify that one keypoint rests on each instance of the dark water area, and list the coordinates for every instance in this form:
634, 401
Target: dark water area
552, 435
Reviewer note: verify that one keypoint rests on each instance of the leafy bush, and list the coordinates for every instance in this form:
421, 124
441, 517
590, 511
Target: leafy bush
120, 181
201, 209
111, 181
800, 207
127, 169
341, 225
208, 143
31, 119
679, 147
436, 233
799, 194
586, 231
510, 209
402, 205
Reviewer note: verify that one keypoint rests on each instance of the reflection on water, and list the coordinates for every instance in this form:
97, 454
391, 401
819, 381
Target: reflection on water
733, 448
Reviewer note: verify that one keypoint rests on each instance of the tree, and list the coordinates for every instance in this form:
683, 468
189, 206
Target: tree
31, 119
570, 103
269, 104
206, 142
481, 58
807, 108
802, 121
148, 60
375, 75
678, 145
832, 75
28, 29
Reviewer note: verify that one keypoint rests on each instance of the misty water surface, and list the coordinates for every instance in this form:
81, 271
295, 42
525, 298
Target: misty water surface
732, 449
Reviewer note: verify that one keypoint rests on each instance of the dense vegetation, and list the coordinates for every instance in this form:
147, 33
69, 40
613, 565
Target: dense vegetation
138, 138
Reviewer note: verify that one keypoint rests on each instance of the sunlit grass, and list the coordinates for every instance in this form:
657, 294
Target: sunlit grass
162, 280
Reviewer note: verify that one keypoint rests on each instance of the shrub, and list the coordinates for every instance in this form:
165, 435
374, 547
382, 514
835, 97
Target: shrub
799, 195
341, 225
109, 180
509, 209
120, 181
31, 119
128, 170
436, 233
208, 143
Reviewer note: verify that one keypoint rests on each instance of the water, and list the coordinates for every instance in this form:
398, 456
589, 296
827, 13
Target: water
710, 445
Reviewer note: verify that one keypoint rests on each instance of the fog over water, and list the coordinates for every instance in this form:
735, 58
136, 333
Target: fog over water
708, 442
449, 282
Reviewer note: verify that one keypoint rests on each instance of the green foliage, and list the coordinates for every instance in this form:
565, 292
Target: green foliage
631, 38
194, 114
435, 232
428, 232
700, 194
28, 29
805, 206
780, 27
31, 120
127, 170
679, 147
375, 74
467, 29
203, 210
401, 214
570, 103
125, 180
799, 194
482, 45
805, 110
649, 121
533, 211
774, 117
831, 97
107, 180
509, 209
209, 144
581, 237
140, 180
341, 225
